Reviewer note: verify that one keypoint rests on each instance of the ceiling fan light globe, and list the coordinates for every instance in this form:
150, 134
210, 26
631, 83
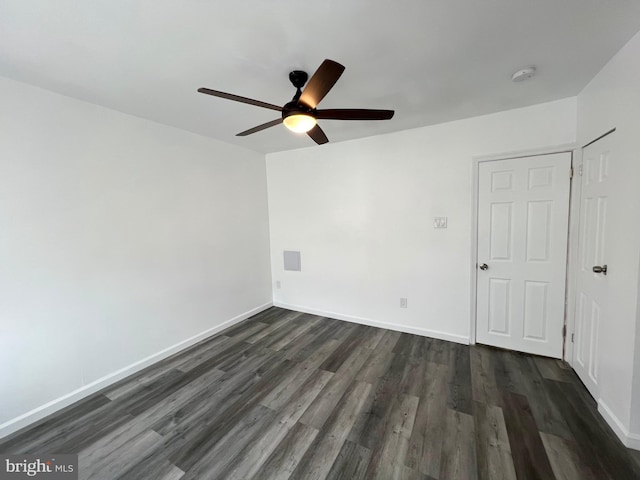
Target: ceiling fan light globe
299, 123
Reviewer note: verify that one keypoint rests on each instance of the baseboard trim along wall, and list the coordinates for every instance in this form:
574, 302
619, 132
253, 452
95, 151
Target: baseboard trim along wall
629, 439
375, 323
53, 406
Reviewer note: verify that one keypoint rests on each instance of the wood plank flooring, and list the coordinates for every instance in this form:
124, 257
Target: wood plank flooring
285, 395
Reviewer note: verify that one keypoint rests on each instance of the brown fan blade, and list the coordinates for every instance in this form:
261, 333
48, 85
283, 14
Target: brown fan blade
318, 135
237, 98
264, 126
321, 82
354, 114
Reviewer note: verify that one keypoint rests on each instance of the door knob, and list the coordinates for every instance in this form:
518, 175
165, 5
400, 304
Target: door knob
484, 266
600, 269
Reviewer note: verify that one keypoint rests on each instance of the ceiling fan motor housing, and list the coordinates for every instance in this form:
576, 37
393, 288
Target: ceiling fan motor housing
295, 108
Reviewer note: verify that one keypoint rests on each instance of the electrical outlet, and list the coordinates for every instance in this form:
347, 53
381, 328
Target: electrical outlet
278, 284
403, 303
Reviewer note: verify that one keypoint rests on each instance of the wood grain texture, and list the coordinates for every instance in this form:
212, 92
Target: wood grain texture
483, 379
392, 452
319, 458
287, 395
529, 456
458, 449
425, 444
351, 462
565, 458
323, 406
492, 444
635, 454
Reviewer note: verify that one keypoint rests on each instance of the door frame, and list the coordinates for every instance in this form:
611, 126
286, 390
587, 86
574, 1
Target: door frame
572, 255
475, 165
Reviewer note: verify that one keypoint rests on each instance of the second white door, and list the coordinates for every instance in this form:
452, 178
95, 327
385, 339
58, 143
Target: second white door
523, 208
592, 302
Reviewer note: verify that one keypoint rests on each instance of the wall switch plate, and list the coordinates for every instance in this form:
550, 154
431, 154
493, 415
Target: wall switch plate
440, 222
403, 303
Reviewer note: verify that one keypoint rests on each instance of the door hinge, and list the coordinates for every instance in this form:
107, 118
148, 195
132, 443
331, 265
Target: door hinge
572, 338
564, 331
571, 173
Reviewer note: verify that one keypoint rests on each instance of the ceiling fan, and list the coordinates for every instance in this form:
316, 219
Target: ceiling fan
300, 115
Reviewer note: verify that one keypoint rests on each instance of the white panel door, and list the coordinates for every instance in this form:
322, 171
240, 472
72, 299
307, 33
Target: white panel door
523, 211
591, 300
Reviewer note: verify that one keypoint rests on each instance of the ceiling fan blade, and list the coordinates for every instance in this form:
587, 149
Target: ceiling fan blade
237, 98
264, 126
321, 82
318, 135
354, 114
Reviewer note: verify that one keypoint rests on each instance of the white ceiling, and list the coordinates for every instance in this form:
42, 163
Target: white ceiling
430, 60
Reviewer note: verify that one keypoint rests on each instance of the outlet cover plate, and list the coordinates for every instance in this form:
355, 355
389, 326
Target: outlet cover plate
440, 222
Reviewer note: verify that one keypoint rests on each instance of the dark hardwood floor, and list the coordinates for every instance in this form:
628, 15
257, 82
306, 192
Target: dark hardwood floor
289, 395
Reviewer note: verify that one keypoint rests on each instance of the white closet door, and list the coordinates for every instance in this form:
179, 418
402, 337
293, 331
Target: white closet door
591, 301
523, 208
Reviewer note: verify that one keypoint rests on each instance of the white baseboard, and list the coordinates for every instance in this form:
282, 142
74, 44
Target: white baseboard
375, 323
53, 406
629, 439
633, 441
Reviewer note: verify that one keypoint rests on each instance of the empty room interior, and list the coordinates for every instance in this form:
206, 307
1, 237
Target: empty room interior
327, 240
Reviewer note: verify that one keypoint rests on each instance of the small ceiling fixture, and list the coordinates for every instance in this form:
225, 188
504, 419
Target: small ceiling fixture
524, 74
299, 122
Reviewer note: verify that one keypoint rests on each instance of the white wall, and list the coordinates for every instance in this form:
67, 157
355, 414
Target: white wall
361, 213
119, 238
612, 99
